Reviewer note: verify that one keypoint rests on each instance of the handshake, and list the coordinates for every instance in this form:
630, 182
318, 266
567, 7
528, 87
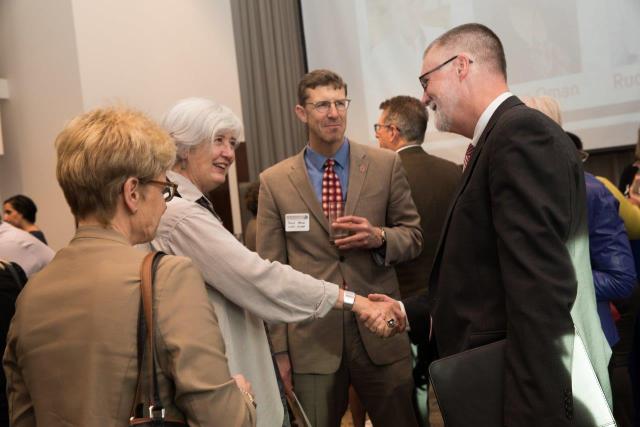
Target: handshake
381, 314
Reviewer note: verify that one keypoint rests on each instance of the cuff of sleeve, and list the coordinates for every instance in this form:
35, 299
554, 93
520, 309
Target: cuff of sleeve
379, 255
329, 299
404, 313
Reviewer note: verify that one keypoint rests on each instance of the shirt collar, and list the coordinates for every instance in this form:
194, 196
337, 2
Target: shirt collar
486, 115
186, 188
100, 232
406, 147
341, 157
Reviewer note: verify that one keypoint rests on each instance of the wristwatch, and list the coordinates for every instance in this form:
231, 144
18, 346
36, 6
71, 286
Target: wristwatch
348, 299
383, 236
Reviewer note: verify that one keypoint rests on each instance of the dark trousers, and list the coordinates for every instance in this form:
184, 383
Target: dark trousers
385, 391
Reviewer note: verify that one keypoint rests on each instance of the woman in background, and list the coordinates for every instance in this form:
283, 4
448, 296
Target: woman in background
20, 211
629, 173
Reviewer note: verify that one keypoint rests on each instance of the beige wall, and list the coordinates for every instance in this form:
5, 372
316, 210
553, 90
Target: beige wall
38, 58
61, 57
150, 53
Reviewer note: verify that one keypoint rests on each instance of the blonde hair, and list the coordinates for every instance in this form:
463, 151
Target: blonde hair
545, 104
97, 151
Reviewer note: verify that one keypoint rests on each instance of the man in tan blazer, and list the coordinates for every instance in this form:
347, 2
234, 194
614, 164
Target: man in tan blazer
383, 229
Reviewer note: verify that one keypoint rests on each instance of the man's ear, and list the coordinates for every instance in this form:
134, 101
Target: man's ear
131, 194
395, 140
301, 113
462, 66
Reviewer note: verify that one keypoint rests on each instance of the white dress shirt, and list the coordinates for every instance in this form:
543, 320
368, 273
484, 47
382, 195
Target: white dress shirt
22, 248
244, 290
483, 121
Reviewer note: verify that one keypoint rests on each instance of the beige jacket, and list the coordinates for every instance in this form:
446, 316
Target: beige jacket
378, 190
71, 350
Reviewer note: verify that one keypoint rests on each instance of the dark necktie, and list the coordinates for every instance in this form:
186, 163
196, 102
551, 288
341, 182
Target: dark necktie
331, 190
467, 156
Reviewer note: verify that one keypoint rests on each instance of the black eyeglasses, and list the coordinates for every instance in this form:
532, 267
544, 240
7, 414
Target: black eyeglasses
377, 127
424, 79
323, 107
169, 189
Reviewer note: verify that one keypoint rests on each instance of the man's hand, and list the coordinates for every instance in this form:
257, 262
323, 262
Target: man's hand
362, 235
284, 366
382, 317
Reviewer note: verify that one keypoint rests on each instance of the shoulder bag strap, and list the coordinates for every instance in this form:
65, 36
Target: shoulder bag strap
145, 330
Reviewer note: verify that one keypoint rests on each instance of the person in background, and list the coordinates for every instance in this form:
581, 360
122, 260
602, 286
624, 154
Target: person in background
610, 253
20, 211
401, 128
245, 289
612, 265
22, 248
72, 345
629, 173
12, 280
251, 201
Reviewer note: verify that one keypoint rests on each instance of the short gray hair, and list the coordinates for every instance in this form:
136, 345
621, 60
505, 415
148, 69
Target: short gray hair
409, 115
193, 121
479, 41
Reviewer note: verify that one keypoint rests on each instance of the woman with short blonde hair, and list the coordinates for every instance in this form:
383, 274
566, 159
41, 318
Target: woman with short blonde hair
72, 356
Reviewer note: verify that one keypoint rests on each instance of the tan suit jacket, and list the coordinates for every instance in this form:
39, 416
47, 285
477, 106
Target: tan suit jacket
378, 190
71, 353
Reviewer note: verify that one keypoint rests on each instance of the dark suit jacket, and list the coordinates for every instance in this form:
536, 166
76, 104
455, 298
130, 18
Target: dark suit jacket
433, 183
513, 263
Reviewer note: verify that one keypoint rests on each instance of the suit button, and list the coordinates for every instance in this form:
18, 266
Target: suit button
341, 258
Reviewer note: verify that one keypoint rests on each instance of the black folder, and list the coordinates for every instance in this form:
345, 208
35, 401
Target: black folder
469, 386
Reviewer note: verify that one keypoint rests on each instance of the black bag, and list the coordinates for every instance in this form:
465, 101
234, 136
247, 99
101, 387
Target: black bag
469, 386
156, 415
12, 279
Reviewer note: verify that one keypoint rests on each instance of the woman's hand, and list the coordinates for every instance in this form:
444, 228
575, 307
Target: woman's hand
245, 387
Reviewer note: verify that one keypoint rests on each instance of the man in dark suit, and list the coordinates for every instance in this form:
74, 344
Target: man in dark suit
401, 128
513, 260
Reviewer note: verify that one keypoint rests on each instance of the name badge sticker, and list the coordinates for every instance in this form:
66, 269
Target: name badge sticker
296, 222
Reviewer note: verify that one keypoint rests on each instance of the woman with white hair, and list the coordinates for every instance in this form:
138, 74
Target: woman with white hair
244, 289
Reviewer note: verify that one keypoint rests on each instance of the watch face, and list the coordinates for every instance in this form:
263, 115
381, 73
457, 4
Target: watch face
348, 299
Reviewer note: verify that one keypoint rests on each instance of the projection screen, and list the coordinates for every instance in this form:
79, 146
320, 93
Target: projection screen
584, 53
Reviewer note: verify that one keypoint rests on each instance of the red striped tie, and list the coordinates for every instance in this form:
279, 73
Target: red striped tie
467, 156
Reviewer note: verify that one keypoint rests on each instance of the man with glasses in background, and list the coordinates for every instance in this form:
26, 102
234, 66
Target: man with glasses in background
376, 226
513, 259
401, 128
